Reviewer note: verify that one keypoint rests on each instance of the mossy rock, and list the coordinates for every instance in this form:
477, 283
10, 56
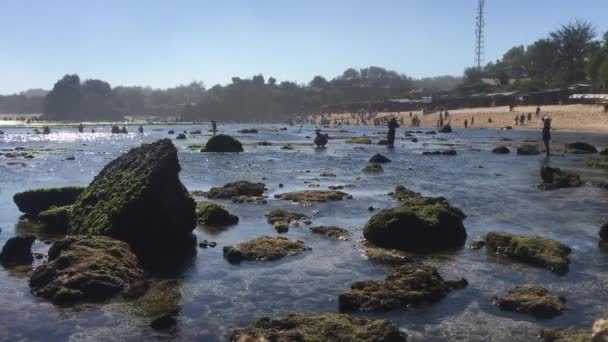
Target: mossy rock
332, 231
386, 256
580, 148
565, 335
32, 202
418, 223
56, 219
555, 178
281, 219
360, 141
214, 214
531, 250
597, 163
17, 251
309, 196
223, 143
373, 168
263, 248
319, 328
86, 269
406, 286
139, 198
532, 299
501, 150
528, 150
236, 189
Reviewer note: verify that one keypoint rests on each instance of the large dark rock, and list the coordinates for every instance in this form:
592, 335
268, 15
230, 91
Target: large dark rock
138, 198
32, 202
319, 328
501, 150
236, 189
532, 250
17, 250
528, 150
531, 299
223, 143
555, 178
418, 223
604, 232
406, 286
379, 159
86, 269
263, 248
580, 148
214, 214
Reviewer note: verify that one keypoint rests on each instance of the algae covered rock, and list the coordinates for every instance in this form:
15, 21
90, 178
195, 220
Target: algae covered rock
236, 189
332, 231
418, 223
528, 150
531, 299
32, 202
373, 168
56, 219
532, 250
308, 196
214, 214
263, 248
222, 143
285, 217
360, 141
597, 163
555, 178
86, 268
580, 148
327, 327
386, 256
565, 335
406, 286
138, 198
501, 150
379, 159
17, 250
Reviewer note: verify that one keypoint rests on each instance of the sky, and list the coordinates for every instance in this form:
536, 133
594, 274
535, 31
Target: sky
162, 43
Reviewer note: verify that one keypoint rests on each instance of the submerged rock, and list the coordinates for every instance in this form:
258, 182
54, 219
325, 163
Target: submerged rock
384, 255
379, 159
555, 178
528, 150
580, 148
17, 251
361, 141
373, 168
565, 335
263, 248
223, 143
236, 189
248, 131
598, 163
308, 196
32, 202
439, 153
86, 268
138, 198
319, 328
531, 299
214, 214
501, 150
532, 250
332, 231
418, 223
281, 219
406, 286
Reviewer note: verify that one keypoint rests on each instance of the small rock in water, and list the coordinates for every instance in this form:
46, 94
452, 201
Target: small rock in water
17, 250
207, 244
371, 208
70, 158
280, 185
163, 322
532, 299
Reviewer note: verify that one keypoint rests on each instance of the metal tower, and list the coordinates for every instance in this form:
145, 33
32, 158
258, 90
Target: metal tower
479, 34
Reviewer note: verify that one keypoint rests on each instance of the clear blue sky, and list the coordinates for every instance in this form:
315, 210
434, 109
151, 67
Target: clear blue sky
164, 43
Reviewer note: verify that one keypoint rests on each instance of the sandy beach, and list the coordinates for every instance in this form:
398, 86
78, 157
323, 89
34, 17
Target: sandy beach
578, 118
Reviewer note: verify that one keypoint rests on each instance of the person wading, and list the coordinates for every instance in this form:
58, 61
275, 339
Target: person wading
547, 134
321, 139
390, 138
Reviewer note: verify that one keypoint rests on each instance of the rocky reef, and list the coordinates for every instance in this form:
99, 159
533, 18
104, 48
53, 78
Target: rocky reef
532, 299
281, 219
263, 248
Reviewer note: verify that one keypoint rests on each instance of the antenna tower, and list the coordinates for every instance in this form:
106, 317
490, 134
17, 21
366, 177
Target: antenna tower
480, 24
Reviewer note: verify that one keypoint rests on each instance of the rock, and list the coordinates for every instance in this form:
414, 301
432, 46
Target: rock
446, 129
429, 132
180, 136
532, 250
249, 199
437, 153
478, 244
236, 189
379, 159
207, 244
309, 196
171, 132
263, 248
264, 143
287, 147
17, 251
360, 141
86, 269
317, 328
565, 335
604, 232
248, 131
214, 214
598, 163
56, 219
501, 150
382, 142
281, 219
373, 168
384, 255
449, 153
600, 331
604, 152
223, 143
528, 150
580, 148
138, 198
70, 158
162, 322
531, 299
406, 286
32, 202
418, 223
332, 231
555, 178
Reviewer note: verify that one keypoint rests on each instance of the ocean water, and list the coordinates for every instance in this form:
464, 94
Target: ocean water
213, 297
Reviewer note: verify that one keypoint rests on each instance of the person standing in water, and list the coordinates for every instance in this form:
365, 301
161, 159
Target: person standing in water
392, 126
321, 139
213, 126
140, 129
547, 134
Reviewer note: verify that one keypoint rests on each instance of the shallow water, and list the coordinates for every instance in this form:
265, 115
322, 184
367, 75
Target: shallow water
497, 192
